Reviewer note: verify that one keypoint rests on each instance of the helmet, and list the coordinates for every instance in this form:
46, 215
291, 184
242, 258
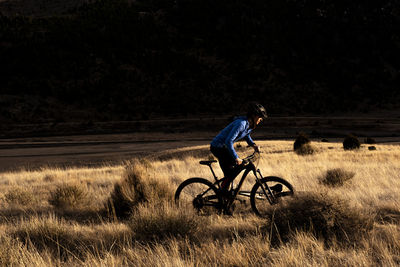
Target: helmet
257, 110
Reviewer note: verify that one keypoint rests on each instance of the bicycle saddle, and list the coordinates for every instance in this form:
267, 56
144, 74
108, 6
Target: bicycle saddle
207, 162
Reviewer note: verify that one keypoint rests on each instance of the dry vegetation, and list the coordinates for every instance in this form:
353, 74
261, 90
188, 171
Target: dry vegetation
72, 217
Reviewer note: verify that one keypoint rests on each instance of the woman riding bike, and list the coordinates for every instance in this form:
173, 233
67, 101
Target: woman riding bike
222, 145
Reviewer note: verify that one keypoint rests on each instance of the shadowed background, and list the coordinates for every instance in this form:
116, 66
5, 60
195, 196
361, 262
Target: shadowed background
115, 60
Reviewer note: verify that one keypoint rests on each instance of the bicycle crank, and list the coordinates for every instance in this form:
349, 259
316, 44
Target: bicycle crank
198, 202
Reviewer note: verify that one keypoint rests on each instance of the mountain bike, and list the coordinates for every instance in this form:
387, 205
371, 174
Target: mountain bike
206, 197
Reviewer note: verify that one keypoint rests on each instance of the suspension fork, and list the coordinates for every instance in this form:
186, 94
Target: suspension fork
270, 196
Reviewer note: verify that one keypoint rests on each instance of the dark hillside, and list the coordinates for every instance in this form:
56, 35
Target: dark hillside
116, 60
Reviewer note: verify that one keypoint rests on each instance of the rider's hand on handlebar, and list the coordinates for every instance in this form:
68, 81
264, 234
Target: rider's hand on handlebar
239, 161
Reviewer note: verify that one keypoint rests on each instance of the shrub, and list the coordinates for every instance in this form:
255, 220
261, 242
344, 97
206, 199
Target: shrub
301, 140
137, 187
329, 218
351, 142
157, 223
69, 196
302, 145
19, 197
306, 149
336, 177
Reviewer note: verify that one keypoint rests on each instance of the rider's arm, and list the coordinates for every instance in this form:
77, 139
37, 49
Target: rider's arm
251, 143
249, 140
231, 137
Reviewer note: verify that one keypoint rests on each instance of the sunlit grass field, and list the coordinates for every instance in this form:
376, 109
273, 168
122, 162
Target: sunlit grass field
64, 217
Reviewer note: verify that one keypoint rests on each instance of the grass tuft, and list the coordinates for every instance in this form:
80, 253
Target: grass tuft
388, 214
137, 187
336, 177
18, 196
157, 223
328, 218
49, 178
306, 149
69, 196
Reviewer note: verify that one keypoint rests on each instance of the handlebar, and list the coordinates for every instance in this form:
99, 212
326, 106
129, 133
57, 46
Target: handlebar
250, 158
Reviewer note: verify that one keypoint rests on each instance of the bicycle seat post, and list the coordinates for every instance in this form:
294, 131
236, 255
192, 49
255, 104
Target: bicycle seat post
212, 171
209, 163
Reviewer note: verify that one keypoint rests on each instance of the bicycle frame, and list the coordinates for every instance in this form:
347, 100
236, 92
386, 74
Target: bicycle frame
248, 167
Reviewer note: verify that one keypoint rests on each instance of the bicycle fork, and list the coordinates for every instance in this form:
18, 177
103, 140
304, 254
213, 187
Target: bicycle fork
264, 187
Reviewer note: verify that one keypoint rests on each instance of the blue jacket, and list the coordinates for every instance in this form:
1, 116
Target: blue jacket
236, 130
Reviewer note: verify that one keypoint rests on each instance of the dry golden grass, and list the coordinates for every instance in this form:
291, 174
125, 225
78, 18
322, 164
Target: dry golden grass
36, 233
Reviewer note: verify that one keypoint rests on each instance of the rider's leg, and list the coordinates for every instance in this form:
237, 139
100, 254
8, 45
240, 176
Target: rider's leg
230, 170
230, 175
228, 166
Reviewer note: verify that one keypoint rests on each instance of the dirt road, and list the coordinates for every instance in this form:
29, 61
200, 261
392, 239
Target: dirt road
83, 150
89, 150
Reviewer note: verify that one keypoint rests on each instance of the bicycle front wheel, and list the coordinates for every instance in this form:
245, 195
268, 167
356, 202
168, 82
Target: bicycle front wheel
281, 191
199, 194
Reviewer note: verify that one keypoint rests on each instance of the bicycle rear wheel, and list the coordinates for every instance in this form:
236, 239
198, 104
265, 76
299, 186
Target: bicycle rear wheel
199, 194
259, 201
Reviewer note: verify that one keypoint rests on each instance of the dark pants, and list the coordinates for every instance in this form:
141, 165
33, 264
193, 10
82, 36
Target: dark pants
228, 165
